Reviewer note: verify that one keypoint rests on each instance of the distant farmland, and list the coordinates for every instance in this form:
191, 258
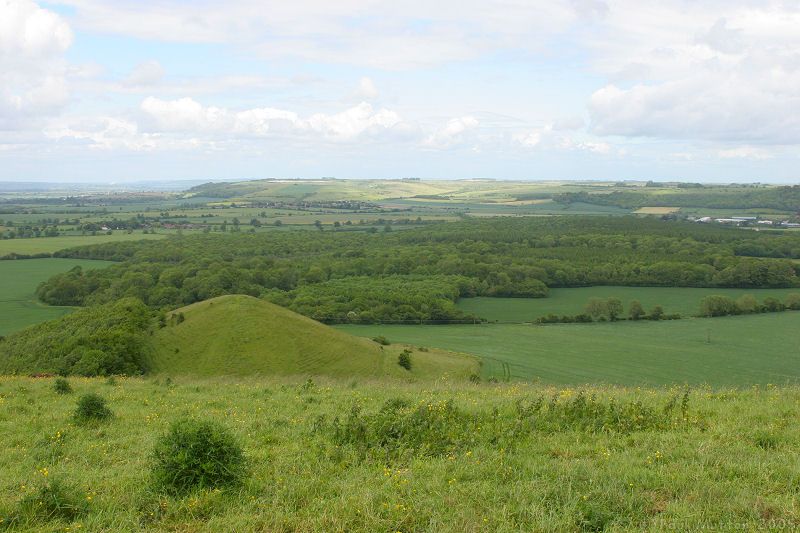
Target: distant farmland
685, 301
735, 351
18, 281
42, 245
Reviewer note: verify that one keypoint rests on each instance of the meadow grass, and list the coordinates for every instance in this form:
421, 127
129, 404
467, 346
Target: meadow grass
732, 351
572, 301
18, 281
721, 459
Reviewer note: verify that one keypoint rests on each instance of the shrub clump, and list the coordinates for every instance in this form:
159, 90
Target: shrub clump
589, 413
54, 500
92, 407
426, 429
404, 359
62, 386
197, 454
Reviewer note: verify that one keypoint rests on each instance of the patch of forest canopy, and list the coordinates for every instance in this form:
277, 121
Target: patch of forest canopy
417, 275
102, 340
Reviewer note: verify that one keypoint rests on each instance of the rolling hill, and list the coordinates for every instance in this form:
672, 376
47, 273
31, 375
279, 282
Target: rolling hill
230, 335
242, 335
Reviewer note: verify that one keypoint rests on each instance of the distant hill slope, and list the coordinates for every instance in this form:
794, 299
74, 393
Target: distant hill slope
242, 335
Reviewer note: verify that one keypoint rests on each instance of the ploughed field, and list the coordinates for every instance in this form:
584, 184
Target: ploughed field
732, 351
444, 456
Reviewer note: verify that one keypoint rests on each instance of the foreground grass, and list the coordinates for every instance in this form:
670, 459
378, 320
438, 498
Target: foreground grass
18, 281
728, 462
730, 351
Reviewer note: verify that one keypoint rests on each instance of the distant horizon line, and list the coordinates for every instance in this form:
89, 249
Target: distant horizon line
90, 183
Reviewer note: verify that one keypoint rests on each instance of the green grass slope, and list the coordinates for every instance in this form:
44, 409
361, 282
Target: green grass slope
732, 351
730, 464
242, 335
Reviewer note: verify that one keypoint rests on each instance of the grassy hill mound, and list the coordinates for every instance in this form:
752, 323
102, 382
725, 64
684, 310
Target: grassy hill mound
225, 336
242, 335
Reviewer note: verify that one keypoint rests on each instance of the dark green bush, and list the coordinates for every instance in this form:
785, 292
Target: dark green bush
92, 407
197, 454
62, 386
380, 339
793, 301
404, 359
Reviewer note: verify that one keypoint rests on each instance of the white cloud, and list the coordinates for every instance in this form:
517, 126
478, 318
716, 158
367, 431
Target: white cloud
588, 146
366, 89
722, 38
375, 33
720, 106
745, 152
103, 133
187, 115
145, 74
32, 70
453, 133
534, 137
682, 72
353, 122
551, 137
185, 123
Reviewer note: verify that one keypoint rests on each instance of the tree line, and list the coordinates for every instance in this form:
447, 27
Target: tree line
612, 309
781, 198
419, 274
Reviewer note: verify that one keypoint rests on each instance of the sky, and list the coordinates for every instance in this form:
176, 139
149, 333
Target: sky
129, 90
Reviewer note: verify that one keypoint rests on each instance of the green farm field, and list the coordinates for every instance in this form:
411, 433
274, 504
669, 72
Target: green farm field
18, 281
727, 461
745, 350
43, 245
682, 300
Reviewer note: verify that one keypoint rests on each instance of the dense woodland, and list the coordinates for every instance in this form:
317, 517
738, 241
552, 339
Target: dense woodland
417, 275
780, 198
101, 340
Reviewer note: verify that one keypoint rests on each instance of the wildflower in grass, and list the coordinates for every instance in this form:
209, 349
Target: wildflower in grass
54, 499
